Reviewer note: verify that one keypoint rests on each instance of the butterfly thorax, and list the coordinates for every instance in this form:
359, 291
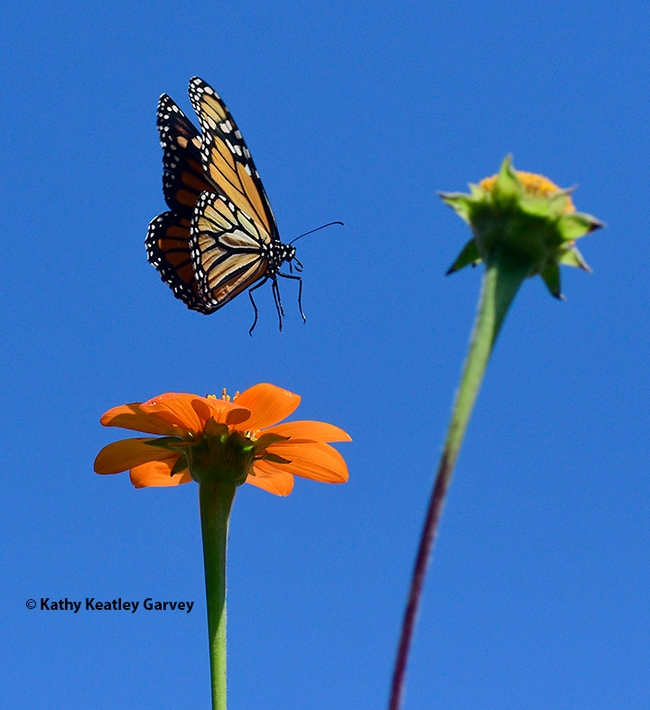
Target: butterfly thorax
277, 253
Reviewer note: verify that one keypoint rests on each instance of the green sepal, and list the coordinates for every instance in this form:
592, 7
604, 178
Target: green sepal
268, 456
267, 439
476, 192
179, 466
469, 255
460, 202
508, 186
576, 225
557, 203
169, 443
551, 277
572, 257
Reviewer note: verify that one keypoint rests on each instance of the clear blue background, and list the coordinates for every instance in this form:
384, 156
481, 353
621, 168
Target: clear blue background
538, 592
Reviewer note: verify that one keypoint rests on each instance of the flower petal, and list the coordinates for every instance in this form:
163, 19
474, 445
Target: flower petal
175, 408
129, 416
158, 473
311, 431
320, 462
127, 453
268, 404
279, 483
220, 410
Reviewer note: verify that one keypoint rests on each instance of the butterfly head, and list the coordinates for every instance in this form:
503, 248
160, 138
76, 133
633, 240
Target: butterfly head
278, 253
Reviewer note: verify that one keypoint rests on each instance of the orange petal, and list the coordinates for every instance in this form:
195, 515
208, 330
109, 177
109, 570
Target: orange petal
311, 431
175, 408
158, 473
320, 462
279, 482
220, 410
268, 404
122, 455
129, 416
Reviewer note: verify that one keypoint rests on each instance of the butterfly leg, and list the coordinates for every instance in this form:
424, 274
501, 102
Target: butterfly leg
278, 301
299, 280
250, 295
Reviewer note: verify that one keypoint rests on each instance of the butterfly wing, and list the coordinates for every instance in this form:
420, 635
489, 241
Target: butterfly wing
226, 159
168, 249
183, 176
229, 250
168, 237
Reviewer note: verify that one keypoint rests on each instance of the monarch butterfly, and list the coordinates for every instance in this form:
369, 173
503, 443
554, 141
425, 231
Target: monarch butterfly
220, 236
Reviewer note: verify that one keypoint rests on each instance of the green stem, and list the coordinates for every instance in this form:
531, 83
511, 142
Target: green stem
215, 499
501, 281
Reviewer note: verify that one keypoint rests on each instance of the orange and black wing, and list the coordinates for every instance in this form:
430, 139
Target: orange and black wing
230, 252
226, 160
168, 237
183, 176
168, 250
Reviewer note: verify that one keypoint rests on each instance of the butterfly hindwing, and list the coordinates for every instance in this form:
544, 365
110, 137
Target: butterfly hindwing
229, 251
168, 249
226, 158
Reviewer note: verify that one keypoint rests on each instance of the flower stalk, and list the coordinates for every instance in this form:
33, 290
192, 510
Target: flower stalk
215, 500
500, 284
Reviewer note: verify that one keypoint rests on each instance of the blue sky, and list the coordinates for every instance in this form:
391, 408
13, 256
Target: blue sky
360, 112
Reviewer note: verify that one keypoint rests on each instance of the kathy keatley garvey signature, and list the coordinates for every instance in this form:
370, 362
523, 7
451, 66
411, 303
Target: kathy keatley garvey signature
91, 604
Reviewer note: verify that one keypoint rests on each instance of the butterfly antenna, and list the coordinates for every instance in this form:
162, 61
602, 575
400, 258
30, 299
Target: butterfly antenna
311, 231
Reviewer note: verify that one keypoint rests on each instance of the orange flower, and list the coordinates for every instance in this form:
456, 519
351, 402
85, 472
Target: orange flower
239, 440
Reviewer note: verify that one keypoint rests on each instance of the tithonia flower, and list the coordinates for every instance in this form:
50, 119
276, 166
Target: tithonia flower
205, 438
525, 218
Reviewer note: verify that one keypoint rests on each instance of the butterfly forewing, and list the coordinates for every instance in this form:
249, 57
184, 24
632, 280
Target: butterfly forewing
226, 158
183, 176
229, 252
